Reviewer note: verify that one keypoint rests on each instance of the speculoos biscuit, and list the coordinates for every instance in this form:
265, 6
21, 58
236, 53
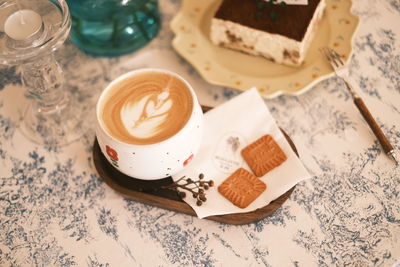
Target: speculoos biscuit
242, 188
263, 155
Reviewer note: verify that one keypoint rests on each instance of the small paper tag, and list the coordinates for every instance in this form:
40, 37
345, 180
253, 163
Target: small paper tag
292, 2
227, 156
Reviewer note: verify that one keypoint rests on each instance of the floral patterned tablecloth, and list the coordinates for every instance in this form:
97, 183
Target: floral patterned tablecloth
56, 211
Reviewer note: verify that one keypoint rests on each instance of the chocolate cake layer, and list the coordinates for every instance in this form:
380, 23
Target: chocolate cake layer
291, 20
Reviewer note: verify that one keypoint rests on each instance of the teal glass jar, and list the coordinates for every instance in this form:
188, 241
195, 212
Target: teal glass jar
113, 27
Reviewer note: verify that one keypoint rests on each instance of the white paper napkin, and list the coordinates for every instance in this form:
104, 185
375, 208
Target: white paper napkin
229, 128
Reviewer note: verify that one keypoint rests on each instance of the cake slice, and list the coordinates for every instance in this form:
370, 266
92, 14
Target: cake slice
280, 33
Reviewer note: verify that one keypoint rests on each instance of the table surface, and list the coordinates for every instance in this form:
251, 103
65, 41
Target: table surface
56, 211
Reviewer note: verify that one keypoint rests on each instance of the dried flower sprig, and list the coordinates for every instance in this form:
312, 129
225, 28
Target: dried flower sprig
195, 187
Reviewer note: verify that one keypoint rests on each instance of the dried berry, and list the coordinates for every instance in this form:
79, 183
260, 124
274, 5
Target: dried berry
195, 187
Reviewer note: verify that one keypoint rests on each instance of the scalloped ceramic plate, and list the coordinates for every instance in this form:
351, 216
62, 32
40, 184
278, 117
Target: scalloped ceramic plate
237, 70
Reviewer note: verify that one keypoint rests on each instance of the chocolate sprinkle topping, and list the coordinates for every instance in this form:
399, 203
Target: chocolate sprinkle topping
292, 20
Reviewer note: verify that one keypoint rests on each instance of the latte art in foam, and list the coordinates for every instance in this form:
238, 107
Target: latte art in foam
143, 119
146, 108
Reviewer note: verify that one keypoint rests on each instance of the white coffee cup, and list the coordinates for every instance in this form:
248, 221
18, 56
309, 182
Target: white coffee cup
146, 116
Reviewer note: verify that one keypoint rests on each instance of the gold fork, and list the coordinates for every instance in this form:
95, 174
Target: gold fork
336, 62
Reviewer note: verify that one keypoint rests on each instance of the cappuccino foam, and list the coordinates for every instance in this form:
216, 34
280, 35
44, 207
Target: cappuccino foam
146, 108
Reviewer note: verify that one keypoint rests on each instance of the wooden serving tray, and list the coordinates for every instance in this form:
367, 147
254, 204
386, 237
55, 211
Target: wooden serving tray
150, 191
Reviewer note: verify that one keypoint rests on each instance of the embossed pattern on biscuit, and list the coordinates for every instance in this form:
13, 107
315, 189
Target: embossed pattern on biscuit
242, 188
263, 155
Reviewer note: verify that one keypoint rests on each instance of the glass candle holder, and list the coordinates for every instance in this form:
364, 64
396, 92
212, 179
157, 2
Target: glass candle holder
33, 30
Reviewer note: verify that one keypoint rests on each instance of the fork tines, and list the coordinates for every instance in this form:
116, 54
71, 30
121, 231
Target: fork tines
332, 56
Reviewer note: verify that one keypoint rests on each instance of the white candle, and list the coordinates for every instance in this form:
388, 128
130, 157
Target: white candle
22, 24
